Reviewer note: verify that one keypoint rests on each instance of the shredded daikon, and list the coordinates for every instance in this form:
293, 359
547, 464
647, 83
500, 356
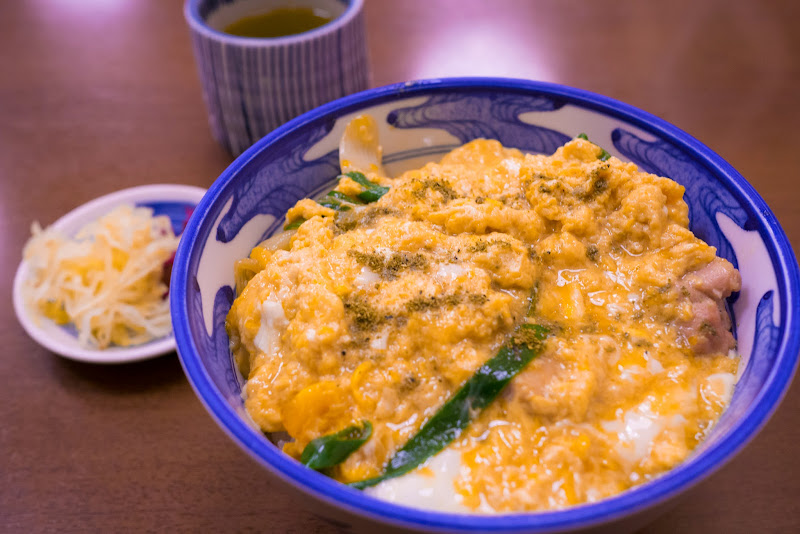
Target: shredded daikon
107, 280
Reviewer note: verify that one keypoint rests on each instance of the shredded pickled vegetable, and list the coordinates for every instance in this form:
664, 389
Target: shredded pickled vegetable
107, 280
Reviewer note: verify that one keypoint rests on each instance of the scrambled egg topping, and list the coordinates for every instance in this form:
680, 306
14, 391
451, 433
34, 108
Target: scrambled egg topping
380, 313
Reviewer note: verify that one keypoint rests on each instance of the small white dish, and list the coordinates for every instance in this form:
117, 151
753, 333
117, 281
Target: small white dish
175, 201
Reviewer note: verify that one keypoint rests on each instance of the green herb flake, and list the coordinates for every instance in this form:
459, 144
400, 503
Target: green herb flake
477, 298
442, 187
420, 304
478, 246
362, 314
400, 261
708, 329
391, 267
345, 226
375, 262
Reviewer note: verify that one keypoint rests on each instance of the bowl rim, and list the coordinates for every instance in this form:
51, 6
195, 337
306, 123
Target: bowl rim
630, 502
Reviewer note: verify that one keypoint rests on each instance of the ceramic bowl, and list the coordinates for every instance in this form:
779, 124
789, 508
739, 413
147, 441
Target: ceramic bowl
419, 122
174, 201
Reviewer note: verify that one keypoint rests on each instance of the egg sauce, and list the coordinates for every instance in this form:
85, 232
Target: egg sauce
382, 312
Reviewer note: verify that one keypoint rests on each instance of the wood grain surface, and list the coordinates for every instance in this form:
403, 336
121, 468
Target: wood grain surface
99, 95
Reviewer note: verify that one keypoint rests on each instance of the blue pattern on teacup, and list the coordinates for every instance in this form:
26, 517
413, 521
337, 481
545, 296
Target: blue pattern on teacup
252, 86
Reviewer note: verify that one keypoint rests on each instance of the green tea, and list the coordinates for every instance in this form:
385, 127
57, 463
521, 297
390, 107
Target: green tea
279, 22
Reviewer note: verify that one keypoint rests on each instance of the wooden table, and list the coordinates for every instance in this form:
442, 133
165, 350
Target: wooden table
99, 95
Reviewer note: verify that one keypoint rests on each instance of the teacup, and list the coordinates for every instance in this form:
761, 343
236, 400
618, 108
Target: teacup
253, 85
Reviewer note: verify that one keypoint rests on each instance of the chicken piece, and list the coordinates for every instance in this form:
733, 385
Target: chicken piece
709, 328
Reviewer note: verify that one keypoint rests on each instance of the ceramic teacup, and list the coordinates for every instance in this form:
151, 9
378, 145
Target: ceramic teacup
253, 85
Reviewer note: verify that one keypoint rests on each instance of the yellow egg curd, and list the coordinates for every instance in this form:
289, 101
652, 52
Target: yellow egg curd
382, 312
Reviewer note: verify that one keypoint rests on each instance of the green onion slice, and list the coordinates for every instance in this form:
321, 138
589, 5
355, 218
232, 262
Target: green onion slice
339, 201
341, 197
372, 191
327, 451
603, 154
333, 204
476, 394
295, 224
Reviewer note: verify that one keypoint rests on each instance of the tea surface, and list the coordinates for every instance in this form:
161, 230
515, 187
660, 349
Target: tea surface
278, 22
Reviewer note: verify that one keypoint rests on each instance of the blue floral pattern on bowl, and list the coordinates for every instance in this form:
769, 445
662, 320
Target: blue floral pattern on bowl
420, 121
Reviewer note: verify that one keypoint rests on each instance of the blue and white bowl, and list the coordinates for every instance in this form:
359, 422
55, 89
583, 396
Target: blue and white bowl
419, 122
